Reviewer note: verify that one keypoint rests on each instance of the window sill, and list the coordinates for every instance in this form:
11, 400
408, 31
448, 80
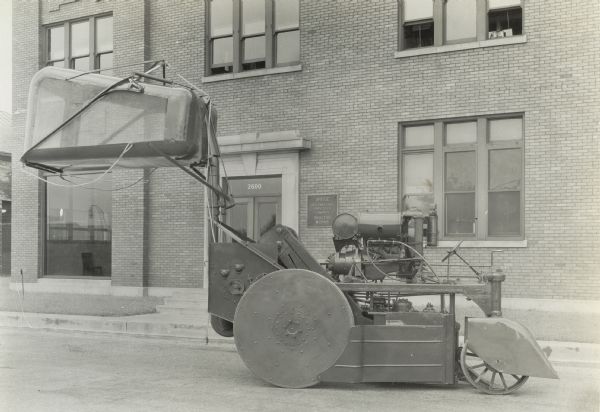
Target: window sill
251, 73
482, 244
460, 46
78, 277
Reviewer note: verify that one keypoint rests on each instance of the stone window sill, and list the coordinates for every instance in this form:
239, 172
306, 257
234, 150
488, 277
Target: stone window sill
460, 46
482, 244
251, 73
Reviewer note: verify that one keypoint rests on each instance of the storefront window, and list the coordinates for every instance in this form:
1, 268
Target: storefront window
78, 227
5, 216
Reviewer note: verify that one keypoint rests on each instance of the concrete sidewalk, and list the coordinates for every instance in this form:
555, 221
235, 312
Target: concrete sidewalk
173, 325
570, 328
155, 324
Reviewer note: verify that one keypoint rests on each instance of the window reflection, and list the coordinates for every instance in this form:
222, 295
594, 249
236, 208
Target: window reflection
221, 21
80, 38
254, 49
104, 34
253, 15
57, 43
457, 133
287, 14
223, 50
288, 47
460, 20
82, 63
78, 227
106, 62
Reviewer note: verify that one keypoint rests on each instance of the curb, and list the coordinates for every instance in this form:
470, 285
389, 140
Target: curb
563, 353
121, 325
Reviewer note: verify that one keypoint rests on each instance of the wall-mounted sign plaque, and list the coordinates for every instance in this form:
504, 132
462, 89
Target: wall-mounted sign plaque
322, 209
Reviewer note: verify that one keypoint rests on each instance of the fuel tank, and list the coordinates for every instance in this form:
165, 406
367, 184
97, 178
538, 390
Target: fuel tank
368, 225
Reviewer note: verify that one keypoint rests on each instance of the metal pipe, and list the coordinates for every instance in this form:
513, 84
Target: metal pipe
495, 281
156, 79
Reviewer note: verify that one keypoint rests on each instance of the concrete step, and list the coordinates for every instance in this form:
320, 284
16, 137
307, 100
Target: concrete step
192, 311
177, 301
193, 293
149, 324
185, 302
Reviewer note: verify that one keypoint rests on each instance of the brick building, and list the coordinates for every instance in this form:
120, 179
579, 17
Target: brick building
489, 109
6, 148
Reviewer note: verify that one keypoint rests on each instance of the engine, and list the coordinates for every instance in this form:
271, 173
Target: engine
376, 246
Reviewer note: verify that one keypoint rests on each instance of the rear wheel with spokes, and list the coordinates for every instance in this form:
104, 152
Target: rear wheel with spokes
485, 378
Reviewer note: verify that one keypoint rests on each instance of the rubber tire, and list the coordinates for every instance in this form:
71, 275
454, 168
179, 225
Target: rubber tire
222, 326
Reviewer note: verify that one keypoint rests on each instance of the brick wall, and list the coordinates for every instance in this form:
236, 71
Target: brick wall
352, 93
156, 227
349, 98
25, 244
6, 147
175, 34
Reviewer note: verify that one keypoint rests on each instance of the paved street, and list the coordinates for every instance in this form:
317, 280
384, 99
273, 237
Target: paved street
70, 371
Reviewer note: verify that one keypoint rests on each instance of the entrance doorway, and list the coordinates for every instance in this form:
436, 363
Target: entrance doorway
258, 205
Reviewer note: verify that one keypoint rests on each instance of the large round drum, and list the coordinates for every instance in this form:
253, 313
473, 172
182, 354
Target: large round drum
292, 325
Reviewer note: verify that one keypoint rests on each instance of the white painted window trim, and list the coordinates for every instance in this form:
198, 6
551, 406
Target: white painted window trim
460, 46
251, 73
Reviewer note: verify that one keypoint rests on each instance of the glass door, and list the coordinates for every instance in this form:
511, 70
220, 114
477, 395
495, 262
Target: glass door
240, 216
267, 213
258, 205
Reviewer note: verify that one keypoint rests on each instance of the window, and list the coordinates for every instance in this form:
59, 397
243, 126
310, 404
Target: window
75, 45
253, 34
5, 177
472, 169
437, 22
460, 178
417, 168
460, 21
504, 18
78, 227
418, 23
5, 215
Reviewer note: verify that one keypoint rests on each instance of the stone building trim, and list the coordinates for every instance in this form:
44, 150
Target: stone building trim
461, 46
272, 153
482, 243
252, 73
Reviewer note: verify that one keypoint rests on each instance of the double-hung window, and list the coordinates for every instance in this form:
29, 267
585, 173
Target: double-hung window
460, 178
252, 34
438, 22
505, 18
417, 167
417, 23
471, 169
82, 44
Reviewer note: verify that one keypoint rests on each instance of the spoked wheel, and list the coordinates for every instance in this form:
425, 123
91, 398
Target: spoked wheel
485, 378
